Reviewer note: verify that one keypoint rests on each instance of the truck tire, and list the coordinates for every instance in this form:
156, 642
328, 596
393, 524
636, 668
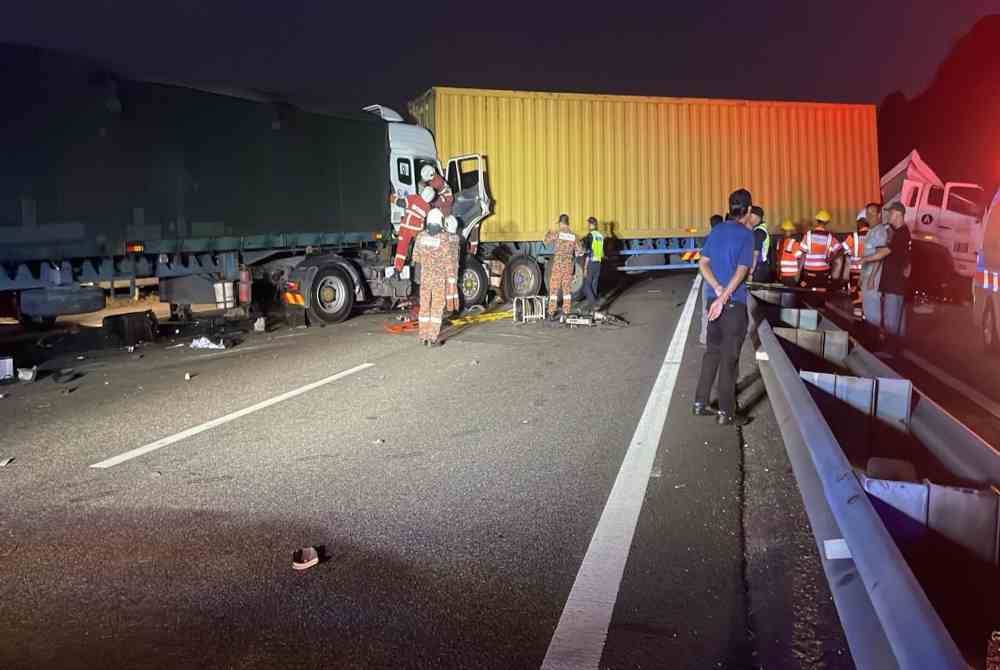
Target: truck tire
991, 343
37, 323
522, 278
473, 283
331, 296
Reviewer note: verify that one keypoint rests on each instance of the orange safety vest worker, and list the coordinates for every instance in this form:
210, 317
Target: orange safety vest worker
854, 247
790, 252
412, 225
819, 246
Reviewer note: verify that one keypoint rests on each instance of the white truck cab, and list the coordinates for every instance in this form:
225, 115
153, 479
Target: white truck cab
945, 219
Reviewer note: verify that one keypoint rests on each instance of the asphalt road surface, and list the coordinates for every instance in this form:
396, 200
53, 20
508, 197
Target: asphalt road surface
476, 502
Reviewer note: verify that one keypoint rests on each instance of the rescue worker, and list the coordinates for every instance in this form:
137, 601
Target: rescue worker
445, 198
432, 253
854, 250
761, 271
819, 247
417, 207
790, 254
451, 303
561, 279
593, 249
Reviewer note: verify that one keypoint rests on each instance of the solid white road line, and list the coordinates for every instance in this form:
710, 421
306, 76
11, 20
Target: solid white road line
578, 642
208, 425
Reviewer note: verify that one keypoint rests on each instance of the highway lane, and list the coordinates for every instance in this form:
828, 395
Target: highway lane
456, 491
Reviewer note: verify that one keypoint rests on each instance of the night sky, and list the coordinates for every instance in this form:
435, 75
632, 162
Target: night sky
319, 53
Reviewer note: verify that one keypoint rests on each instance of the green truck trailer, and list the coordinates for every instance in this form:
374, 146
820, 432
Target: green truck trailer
106, 179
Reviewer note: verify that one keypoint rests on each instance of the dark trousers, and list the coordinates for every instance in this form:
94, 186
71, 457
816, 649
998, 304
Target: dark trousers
590, 282
722, 359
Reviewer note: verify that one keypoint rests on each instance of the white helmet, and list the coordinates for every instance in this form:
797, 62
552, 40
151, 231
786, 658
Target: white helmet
451, 224
862, 215
435, 217
427, 172
428, 193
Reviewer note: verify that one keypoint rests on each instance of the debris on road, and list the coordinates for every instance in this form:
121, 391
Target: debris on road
474, 363
305, 558
260, 325
5, 462
205, 343
136, 357
176, 346
188, 376
81, 358
68, 390
378, 441
27, 374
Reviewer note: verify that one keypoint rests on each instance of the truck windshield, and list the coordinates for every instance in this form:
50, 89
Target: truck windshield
966, 201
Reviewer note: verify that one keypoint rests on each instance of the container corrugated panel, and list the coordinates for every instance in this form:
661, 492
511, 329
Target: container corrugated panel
654, 167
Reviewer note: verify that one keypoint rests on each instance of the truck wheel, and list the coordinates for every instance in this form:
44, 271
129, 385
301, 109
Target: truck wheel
579, 274
331, 295
473, 283
522, 278
38, 323
991, 344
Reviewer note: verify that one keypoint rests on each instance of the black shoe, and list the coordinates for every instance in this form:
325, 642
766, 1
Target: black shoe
727, 420
435, 343
699, 409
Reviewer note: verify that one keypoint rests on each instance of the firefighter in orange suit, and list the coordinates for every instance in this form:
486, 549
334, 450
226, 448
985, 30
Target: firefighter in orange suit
445, 198
417, 207
455, 249
431, 251
561, 280
819, 246
789, 254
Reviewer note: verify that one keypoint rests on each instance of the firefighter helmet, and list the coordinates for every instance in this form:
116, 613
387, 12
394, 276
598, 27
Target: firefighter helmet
428, 193
823, 216
427, 172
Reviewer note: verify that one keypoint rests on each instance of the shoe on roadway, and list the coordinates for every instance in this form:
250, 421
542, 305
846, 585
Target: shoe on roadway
699, 409
738, 420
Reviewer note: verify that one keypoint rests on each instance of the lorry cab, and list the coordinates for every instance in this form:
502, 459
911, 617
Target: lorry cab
945, 219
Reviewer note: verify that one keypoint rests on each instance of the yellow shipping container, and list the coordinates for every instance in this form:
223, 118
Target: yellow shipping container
654, 167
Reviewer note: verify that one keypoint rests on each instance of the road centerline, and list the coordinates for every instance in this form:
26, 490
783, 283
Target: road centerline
580, 635
232, 416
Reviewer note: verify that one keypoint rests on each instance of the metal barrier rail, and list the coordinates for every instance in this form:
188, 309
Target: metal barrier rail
909, 626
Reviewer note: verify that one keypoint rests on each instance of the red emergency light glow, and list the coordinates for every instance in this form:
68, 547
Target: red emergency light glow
134, 247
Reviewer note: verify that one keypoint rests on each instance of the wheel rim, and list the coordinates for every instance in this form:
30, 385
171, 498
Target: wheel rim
523, 279
331, 295
470, 283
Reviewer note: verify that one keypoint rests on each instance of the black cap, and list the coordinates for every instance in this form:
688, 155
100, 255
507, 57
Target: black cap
564, 218
758, 210
740, 201
592, 220
715, 220
874, 204
897, 207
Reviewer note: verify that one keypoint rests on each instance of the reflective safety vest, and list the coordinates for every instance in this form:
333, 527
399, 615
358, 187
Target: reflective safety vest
819, 247
767, 242
790, 252
854, 246
596, 246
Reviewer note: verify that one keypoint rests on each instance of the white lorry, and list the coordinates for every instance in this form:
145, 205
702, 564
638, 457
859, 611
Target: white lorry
946, 224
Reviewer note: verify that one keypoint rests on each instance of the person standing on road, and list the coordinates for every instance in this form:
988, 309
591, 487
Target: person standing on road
726, 258
703, 337
417, 207
455, 257
431, 251
761, 270
853, 251
895, 275
871, 267
561, 278
819, 246
790, 254
593, 249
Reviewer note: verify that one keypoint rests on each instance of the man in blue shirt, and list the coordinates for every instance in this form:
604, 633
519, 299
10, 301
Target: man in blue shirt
726, 258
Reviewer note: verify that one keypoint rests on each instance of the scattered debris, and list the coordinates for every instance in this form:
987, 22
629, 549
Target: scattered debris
205, 343
176, 346
2, 396
136, 357
654, 290
474, 363
188, 376
305, 558
81, 358
27, 374
680, 486
260, 325
156, 473
5, 462
378, 441
524, 421
372, 418
68, 390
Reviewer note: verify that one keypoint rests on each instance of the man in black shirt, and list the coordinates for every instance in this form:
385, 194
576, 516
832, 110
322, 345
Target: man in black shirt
895, 275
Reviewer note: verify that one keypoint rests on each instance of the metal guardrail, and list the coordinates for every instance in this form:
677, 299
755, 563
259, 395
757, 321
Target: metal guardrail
909, 634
